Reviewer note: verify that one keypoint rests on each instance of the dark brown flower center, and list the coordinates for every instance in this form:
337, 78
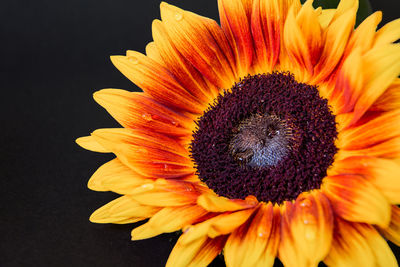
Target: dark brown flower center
268, 136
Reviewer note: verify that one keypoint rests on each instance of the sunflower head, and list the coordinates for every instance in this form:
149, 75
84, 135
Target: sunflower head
272, 134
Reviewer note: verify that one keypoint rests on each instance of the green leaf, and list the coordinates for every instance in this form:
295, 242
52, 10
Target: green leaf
364, 9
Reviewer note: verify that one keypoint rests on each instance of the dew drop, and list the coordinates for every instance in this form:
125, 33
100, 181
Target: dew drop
176, 124
133, 60
148, 186
147, 117
178, 16
305, 203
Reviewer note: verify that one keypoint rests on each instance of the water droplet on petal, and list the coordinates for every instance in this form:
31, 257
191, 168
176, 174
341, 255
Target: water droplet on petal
178, 16
133, 60
176, 124
147, 117
148, 186
305, 203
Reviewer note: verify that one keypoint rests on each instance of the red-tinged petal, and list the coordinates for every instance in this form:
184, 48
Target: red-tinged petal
355, 199
167, 220
222, 224
123, 210
179, 66
236, 25
336, 37
117, 177
148, 153
375, 131
390, 99
266, 27
384, 174
392, 232
381, 68
89, 143
388, 34
198, 40
349, 83
136, 110
164, 193
256, 242
156, 81
201, 252
306, 232
357, 244
389, 149
214, 203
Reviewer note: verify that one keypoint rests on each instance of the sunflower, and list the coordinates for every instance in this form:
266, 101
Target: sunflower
276, 134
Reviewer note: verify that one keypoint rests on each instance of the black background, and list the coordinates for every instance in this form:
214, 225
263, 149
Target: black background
55, 54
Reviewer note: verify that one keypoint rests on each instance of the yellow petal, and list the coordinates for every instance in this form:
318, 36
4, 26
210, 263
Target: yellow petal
306, 230
90, 143
201, 252
219, 225
389, 33
152, 52
122, 210
392, 232
117, 177
326, 17
390, 99
356, 244
214, 203
355, 199
256, 242
167, 220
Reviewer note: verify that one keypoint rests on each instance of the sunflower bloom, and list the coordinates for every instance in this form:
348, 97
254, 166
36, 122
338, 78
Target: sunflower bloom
274, 134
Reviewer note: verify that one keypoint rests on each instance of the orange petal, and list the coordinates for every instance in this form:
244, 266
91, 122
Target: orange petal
136, 110
201, 252
382, 173
214, 203
221, 224
390, 99
164, 193
235, 22
336, 37
357, 244
355, 199
389, 33
168, 220
392, 232
266, 27
381, 68
89, 143
201, 42
178, 65
123, 210
156, 81
375, 131
256, 242
148, 153
349, 83
115, 176
306, 230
